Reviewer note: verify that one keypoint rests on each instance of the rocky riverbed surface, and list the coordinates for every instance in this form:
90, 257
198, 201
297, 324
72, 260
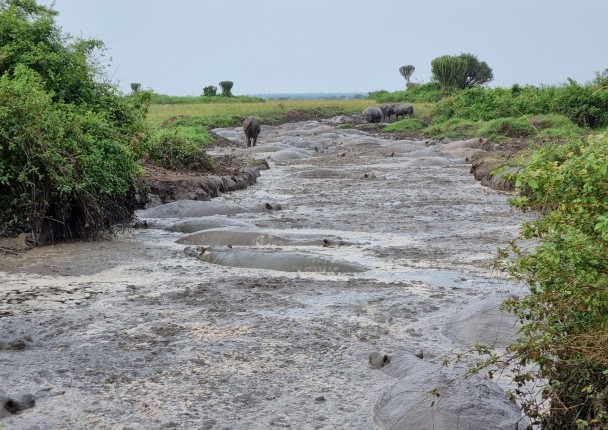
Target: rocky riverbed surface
324, 296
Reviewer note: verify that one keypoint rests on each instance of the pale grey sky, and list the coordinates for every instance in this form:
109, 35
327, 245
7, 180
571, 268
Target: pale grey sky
177, 47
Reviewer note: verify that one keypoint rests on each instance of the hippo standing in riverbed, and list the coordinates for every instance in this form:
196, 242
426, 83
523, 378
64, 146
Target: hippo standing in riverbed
251, 127
372, 114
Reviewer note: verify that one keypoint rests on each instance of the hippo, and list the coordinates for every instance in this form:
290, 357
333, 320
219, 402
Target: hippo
403, 110
372, 114
387, 111
251, 127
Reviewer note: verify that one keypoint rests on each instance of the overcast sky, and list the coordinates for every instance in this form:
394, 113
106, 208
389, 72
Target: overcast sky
177, 47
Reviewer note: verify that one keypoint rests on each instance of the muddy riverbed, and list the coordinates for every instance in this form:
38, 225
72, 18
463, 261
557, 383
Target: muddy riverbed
325, 296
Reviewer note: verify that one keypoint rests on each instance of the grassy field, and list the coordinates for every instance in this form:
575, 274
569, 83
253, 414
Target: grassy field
221, 114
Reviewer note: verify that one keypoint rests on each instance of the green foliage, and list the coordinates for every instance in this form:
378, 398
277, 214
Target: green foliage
409, 124
210, 91
564, 316
226, 87
449, 71
416, 93
164, 99
135, 87
67, 165
460, 72
170, 149
194, 129
583, 105
406, 72
499, 129
455, 128
478, 72
600, 80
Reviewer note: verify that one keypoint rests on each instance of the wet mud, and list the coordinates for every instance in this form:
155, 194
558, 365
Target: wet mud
351, 269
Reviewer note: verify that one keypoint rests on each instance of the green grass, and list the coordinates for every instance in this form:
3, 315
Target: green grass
231, 114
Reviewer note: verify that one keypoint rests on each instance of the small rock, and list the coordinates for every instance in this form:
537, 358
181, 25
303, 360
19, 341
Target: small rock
419, 353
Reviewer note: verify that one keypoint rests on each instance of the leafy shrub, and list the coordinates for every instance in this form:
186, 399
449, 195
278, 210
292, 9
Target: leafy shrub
583, 105
415, 93
556, 127
67, 166
194, 129
564, 317
170, 150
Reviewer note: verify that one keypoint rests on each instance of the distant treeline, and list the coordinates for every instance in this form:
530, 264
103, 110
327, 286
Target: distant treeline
156, 98
311, 96
160, 99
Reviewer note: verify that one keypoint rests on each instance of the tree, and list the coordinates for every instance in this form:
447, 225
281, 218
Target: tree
448, 71
406, 72
210, 91
478, 72
135, 87
460, 72
67, 137
226, 88
601, 79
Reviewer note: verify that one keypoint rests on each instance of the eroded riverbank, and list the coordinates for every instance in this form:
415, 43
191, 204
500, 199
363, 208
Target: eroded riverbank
138, 332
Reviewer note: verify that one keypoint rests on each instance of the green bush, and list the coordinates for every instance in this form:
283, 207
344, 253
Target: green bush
556, 127
67, 166
173, 151
191, 128
416, 93
585, 106
564, 317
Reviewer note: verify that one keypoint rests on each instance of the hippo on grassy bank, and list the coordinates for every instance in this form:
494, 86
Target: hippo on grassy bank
387, 110
397, 109
403, 110
251, 127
